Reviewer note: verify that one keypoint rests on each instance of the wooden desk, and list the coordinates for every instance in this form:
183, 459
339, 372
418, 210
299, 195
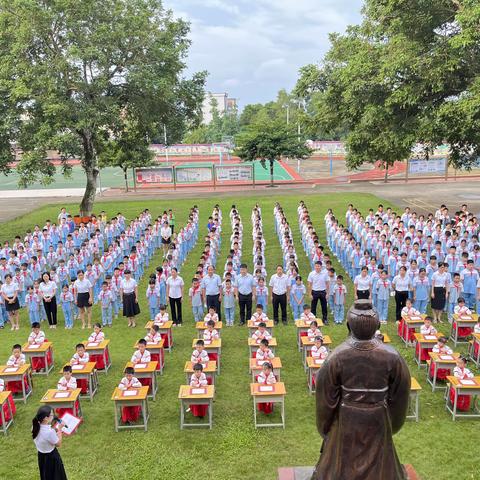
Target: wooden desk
307, 345
414, 402
18, 374
440, 361
147, 370
58, 399
424, 342
188, 398
276, 394
42, 350
463, 387
411, 322
209, 369
475, 343
165, 330
158, 350
214, 346
313, 364
253, 326
256, 367
201, 326
302, 327
4, 401
121, 400
88, 372
462, 321
99, 348
254, 345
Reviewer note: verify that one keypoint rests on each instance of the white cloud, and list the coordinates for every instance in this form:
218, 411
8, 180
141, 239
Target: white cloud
255, 47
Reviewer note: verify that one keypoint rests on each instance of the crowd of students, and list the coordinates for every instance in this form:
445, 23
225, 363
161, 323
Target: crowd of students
432, 260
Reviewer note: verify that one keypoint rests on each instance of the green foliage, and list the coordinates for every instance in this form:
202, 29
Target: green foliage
72, 72
407, 74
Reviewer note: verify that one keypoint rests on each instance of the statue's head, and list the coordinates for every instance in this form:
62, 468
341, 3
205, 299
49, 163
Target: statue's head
362, 320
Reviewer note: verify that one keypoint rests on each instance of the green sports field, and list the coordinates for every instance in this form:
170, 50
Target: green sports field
438, 448
113, 177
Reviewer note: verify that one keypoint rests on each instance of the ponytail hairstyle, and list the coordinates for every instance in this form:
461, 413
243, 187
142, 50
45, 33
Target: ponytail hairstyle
42, 414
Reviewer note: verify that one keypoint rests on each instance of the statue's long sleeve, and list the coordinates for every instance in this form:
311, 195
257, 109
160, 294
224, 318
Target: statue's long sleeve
398, 394
328, 392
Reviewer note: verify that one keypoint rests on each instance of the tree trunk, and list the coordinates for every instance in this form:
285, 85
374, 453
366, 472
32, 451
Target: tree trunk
386, 172
90, 166
271, 173
125, 175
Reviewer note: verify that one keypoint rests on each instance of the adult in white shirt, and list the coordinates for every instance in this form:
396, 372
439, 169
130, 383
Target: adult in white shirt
402, 285
175, 294
83, 297
9, 292
440, 287
48, 290
318, 286
166, 234
362, 285
129, 293
280, 290
47, 438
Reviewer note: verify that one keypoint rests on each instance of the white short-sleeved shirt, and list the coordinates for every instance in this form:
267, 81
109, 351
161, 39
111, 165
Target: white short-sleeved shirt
46, 439
48, 289
318, 280
82, 286
9, 290
279, 284
175, 286
166, 232
363, 283
401, 284
440, 279
128, 286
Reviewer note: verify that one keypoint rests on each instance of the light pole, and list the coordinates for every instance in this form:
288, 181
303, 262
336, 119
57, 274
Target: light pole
165, 140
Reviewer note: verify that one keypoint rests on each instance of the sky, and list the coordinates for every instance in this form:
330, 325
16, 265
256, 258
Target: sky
254, 48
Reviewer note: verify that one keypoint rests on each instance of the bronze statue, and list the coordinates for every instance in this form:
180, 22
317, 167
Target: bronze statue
362, 393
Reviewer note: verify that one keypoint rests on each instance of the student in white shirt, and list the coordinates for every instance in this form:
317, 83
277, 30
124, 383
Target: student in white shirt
47, 438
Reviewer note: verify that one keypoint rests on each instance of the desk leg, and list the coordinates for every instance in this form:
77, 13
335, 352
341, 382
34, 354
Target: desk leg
4, 423
90, 387
182, 414
455, 404
283, 413
24, 393
255, 411
105, 359
417, 402
116, 415
210, 414
419, 354
434, 380
144, 414
219, 354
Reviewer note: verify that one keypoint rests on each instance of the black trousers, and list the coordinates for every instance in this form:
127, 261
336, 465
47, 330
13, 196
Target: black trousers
320, 295
400, 301
279, 301
176, 309
51, 311
214, 301
245, 304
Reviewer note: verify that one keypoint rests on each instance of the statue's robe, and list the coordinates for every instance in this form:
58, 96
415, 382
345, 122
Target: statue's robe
362, 394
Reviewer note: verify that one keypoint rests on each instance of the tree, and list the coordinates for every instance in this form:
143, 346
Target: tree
269, 142
127, 149
409, 73
71, 72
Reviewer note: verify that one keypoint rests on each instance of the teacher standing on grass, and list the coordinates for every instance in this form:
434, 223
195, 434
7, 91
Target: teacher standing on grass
211, 291
244, 284
318, 286
48, 290
129, 294
280, 290
175, 294
47, 438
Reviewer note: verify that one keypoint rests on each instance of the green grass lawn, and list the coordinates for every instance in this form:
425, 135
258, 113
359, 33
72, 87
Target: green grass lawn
438, 448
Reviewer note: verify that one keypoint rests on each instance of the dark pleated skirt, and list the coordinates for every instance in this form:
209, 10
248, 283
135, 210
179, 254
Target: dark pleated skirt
51, 466
130, 307
438, 303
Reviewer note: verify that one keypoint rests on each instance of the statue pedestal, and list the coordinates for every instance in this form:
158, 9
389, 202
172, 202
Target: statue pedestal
305, 473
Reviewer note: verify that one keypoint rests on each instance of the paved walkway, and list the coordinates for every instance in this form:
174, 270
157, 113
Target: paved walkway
424, 197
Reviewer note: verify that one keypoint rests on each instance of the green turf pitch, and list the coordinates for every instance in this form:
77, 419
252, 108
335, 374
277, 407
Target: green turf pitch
114, 178
438, 448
